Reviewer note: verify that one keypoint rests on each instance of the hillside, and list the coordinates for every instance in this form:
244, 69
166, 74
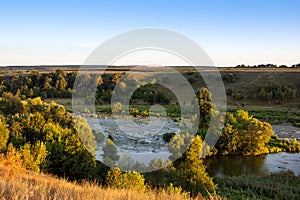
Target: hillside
17, 183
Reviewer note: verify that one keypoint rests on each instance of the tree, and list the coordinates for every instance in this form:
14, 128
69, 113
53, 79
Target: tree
110, 155
191, 174
246, 135
85, 133
61, 83
47, 127
129, 180
179, 144
47, 83
10, 104
4, 134
205, 109
33, 156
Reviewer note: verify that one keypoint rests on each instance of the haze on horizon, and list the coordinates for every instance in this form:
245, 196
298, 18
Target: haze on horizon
231, 32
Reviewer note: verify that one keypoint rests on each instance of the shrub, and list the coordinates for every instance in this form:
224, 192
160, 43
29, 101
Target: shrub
117, 107
128, 180
296, 124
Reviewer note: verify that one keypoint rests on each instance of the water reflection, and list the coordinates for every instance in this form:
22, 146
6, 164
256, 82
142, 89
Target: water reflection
236, 165
258, 165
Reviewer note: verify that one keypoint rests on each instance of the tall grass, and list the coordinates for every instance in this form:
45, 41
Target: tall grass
279, 185
17, 183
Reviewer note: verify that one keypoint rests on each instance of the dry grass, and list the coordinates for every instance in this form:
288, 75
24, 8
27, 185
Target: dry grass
16, 184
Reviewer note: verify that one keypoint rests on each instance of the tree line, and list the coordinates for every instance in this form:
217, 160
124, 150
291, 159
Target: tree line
59, 84
268, 66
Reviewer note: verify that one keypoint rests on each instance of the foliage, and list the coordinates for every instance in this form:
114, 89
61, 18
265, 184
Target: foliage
11, 158
48, 139
177, 190
205, 108
4, 134
151, 95
278, 145
191, 175
59, 84
245, 135
296, 124
179, 144
128, 180
117, 107
28, 185
110, 155
274, 116
85, 133
280, 185
160, 173
33, 156
276, 92
10, 104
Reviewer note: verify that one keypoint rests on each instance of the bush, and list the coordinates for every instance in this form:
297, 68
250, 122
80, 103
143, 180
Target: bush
296, 124
128, 180
117, 107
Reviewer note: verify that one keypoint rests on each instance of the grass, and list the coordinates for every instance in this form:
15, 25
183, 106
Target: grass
16, 183
280, 185
273, 115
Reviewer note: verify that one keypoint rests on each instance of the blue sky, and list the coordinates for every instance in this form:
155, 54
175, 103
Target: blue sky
231, 32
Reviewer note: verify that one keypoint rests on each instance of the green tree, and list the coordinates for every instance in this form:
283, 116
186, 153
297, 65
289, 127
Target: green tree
85, 133
4, 134
41, 124
114, 178
179, 144
129, 180
110, 155
33, 156
244, 134
10, 104
191, 174
205, 110
61, 83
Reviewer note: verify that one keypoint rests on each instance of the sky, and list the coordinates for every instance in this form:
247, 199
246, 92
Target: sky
231, 32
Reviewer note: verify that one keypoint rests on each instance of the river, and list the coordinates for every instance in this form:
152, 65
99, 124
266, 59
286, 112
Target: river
235, 165
143, 145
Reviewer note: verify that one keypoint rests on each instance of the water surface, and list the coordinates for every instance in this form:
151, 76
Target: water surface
235, 165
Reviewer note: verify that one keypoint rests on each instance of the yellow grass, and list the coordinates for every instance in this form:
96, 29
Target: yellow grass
17, 183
